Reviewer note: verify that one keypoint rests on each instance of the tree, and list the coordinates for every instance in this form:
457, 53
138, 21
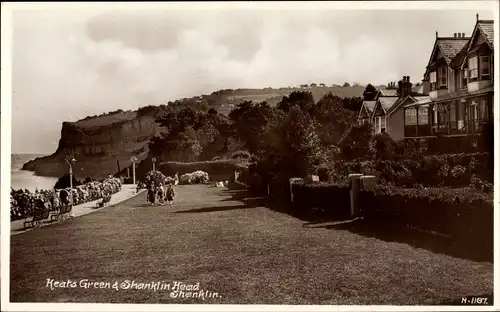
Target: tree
369, 93
304, 100
356, 142
322, 85
346, 84
313, 85
333, 119
63, 182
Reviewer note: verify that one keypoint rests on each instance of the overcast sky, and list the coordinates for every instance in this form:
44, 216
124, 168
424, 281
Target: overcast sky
71, 64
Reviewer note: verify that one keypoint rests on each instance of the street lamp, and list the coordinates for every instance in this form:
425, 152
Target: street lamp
134, 160
71, 160
153, 160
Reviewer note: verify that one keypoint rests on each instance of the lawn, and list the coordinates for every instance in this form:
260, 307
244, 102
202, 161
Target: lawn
242, 250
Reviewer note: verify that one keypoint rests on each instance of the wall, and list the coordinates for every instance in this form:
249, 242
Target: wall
396, 124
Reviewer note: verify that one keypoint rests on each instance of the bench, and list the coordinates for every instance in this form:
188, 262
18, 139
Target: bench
39, 215
105, 201
63, 213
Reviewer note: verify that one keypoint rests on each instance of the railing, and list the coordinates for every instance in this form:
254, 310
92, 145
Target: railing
417, 131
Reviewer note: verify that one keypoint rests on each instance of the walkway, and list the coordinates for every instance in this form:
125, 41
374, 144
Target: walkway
127, 191
243, 249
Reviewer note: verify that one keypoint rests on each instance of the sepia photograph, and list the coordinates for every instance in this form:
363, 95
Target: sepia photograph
249, 155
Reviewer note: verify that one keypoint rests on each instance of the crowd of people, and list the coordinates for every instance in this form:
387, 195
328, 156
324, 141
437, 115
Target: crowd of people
159, 188
23, 202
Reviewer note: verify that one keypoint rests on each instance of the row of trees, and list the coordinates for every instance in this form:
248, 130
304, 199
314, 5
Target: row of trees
295, 135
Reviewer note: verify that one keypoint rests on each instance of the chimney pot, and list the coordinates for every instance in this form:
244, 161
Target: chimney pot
477, 17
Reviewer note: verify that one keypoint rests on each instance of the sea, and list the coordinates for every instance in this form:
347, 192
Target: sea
22, 179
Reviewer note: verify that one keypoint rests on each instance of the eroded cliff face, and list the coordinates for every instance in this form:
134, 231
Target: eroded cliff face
99, 145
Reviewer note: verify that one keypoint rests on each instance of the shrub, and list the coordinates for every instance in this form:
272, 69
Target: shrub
384, 146
463, 213
322, 172
218, 169
241, 155
197, 177
334, 199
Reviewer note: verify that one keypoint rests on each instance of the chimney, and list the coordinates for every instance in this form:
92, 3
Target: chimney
463, 35
404, 87
436, 34
477, 17
454, 35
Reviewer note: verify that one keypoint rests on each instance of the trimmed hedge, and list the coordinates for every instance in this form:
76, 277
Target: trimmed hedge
454, 170
462, 213
217, 169
334, 199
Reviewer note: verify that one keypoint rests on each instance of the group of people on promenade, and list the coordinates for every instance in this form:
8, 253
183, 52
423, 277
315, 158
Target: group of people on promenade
157, 192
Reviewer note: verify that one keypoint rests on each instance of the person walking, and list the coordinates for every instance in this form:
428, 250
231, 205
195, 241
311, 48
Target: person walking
161, 195
176, 178
170, 194
151, 193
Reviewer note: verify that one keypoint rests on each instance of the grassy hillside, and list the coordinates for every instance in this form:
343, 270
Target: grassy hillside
225, 100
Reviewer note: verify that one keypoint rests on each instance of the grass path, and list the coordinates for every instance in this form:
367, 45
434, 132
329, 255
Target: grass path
246, 253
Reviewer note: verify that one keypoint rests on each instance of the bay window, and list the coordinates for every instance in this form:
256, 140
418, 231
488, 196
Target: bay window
433, 80
485, 65
443, 76
473, 68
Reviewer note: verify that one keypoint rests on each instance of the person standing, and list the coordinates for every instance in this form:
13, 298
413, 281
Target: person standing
170, 195
161, 195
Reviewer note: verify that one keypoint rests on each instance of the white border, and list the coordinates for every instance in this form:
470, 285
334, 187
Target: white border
6, 37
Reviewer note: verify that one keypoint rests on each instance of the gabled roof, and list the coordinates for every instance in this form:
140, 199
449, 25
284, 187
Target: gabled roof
387, 102
486, 29
412, 98
368, 106
449, 47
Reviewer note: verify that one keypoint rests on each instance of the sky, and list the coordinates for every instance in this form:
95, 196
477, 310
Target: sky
69, 64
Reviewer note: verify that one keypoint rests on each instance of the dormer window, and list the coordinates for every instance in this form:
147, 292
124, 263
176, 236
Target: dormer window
443, 77
485, 65
433, 80
473, 68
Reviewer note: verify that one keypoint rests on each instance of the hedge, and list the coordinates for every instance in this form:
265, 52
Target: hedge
463, 213
217, 169
455, 170
334, 199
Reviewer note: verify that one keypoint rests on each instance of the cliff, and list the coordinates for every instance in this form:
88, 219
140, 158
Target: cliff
97, 144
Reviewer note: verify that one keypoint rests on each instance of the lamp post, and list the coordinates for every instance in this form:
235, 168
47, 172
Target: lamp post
71, 160
134, 160
153, 160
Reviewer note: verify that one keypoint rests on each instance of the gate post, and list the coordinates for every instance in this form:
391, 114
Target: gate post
354, 178
293, 181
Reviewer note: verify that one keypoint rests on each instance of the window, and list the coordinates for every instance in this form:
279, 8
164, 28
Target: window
410, 117
377, 124
423, 115
473, 67
453, 116
483, 109
485, 66
383, 125
461, 116
433, 80
443, 76
464, 77
475, 112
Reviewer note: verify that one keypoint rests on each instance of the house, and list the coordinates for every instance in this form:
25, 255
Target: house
386, 112
460, 74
